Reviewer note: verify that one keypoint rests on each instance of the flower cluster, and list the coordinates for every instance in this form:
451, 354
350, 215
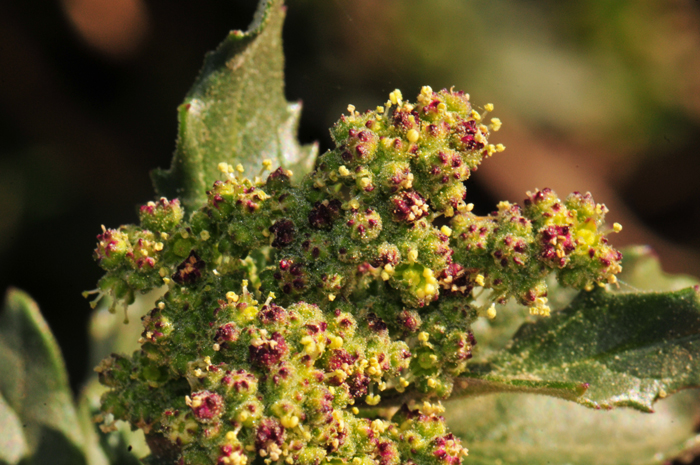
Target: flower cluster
367, 296
237, 378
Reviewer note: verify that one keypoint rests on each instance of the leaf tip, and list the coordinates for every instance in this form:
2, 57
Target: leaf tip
13, 292
17, 298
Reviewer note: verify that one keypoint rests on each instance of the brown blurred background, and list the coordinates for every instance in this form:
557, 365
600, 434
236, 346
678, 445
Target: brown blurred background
599, 95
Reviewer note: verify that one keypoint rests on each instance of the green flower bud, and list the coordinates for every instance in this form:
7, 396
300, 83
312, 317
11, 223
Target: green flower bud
162, 215
112, 247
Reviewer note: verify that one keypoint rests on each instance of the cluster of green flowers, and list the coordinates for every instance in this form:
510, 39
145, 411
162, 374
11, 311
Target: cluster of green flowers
226, 379
366, 295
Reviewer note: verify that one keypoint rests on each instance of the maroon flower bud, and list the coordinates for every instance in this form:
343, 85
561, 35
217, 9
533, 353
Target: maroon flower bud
268, 352
284, 232
112, 247
161, 215
409, 320
269, 432
375, 323
226, 333
272, 313
324, 214
190, 270
206, 406
409, 206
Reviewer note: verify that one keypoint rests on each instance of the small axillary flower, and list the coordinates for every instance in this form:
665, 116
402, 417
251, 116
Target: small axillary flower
291, 313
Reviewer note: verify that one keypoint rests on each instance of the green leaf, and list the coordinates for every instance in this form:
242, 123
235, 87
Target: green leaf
534, 430
152, 460
495, 334
109, 335
508, 429
641, 269
13, 446
236, 112
34, 385
605, 350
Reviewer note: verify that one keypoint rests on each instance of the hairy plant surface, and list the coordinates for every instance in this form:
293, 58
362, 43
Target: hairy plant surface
308, 310
355, 292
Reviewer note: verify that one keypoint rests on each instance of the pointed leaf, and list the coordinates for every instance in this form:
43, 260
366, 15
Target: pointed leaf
605, 350
34, 383
236, 112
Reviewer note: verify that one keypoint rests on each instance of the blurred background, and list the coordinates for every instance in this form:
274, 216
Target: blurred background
598, 95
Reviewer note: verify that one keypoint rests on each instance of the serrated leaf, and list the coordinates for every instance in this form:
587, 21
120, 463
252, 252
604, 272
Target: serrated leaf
605, 350
236, 112
34, 384
538, 430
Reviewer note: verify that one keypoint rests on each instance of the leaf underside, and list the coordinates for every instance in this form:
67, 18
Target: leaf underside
605, 350
538, 430
38, 421
236, 112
